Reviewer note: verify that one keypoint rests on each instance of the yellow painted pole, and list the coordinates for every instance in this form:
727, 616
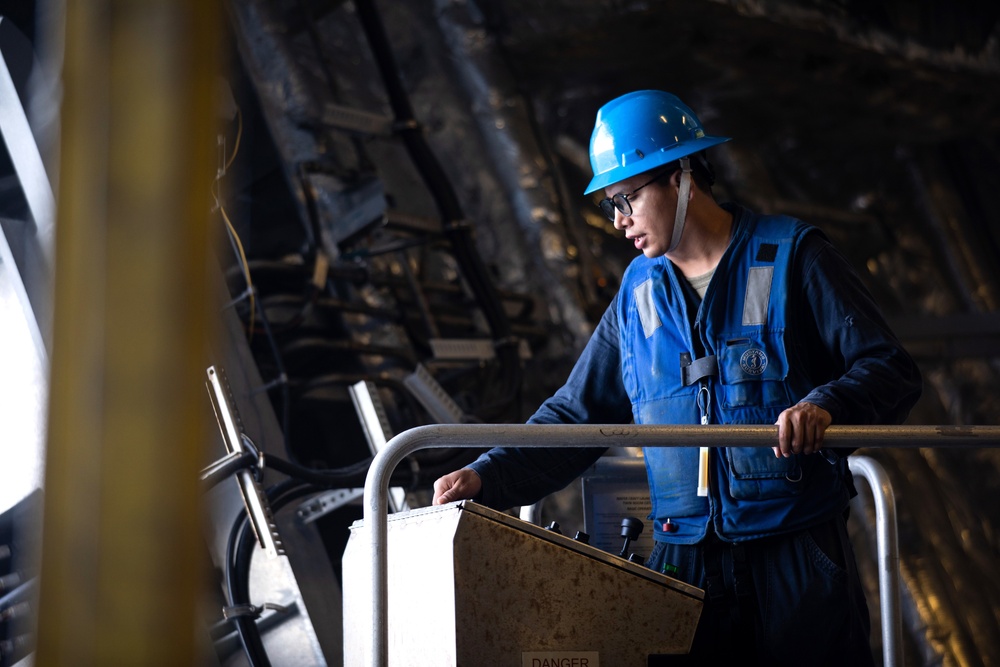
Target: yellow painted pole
121, 571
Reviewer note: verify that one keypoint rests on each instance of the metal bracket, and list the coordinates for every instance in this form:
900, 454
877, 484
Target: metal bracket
327, 502
375, 424
254, 498
471, 349
433, 397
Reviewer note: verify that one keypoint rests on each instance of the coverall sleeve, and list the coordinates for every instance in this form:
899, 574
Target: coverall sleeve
871, 378
593, 394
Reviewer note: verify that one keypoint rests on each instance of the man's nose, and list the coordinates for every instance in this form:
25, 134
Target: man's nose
620, 220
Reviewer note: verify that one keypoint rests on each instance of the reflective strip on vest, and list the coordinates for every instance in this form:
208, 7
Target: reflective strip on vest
757, 296
643, 295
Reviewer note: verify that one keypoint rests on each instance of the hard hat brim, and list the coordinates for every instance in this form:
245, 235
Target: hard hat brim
653, 161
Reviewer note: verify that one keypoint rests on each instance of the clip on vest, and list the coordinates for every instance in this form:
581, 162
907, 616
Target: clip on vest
699, 369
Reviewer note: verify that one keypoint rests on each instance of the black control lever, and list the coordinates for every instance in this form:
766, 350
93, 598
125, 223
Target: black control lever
631, 528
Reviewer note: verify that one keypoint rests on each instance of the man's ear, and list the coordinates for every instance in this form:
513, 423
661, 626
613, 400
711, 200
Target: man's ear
675, 182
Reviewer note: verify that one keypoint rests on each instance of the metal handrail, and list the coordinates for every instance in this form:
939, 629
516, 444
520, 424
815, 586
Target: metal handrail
887, 541
602, 435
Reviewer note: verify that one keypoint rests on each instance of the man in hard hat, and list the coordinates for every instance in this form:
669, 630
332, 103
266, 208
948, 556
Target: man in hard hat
727, 317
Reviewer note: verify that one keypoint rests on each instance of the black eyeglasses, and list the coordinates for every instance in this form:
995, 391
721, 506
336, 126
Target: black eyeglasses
620, 201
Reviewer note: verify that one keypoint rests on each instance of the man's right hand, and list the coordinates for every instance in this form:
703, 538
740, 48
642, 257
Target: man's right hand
459, 485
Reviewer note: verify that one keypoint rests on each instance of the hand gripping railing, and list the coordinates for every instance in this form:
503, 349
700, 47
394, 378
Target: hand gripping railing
602, 435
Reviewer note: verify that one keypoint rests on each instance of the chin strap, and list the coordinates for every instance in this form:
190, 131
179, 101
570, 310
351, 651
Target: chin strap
682, 203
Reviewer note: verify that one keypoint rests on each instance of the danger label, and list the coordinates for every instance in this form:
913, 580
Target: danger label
560, 659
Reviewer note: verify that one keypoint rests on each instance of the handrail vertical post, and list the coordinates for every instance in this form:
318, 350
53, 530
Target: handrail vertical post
887, 540
376, 508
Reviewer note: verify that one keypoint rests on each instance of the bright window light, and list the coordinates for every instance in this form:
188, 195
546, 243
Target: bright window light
23, 397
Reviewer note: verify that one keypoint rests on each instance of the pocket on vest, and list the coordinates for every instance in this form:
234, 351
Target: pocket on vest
753, 370
755, 473
673, 482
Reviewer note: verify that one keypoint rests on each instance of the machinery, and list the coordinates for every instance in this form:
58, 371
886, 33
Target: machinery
472, 586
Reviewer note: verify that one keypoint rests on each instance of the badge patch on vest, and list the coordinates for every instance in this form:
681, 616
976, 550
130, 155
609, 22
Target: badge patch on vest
753, 361
757, 296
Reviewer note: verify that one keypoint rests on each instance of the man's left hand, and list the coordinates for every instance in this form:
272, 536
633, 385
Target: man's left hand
800, 430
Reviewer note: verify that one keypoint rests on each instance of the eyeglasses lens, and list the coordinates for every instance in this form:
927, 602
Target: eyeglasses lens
618, 201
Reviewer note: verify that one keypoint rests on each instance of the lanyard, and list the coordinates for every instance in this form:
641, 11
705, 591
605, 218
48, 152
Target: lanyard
704, 407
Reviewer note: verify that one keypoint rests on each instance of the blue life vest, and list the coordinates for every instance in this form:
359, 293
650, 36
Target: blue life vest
739, 354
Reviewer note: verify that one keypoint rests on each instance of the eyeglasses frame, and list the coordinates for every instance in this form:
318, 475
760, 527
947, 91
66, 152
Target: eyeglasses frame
625, 207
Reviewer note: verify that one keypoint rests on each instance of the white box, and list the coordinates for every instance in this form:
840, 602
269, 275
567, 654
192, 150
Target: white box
469, 586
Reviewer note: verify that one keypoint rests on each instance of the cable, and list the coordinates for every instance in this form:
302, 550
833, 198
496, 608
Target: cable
353, 475
239, 552
243, 264
236, 144
237, 589
234, 237
347, 477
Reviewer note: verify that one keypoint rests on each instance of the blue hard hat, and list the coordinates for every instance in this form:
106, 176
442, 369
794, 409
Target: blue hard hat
641, 131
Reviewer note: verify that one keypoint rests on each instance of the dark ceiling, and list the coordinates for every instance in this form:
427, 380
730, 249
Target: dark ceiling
879, 122
839, 73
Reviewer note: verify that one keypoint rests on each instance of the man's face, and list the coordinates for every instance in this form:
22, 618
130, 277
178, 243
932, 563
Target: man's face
652, 221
